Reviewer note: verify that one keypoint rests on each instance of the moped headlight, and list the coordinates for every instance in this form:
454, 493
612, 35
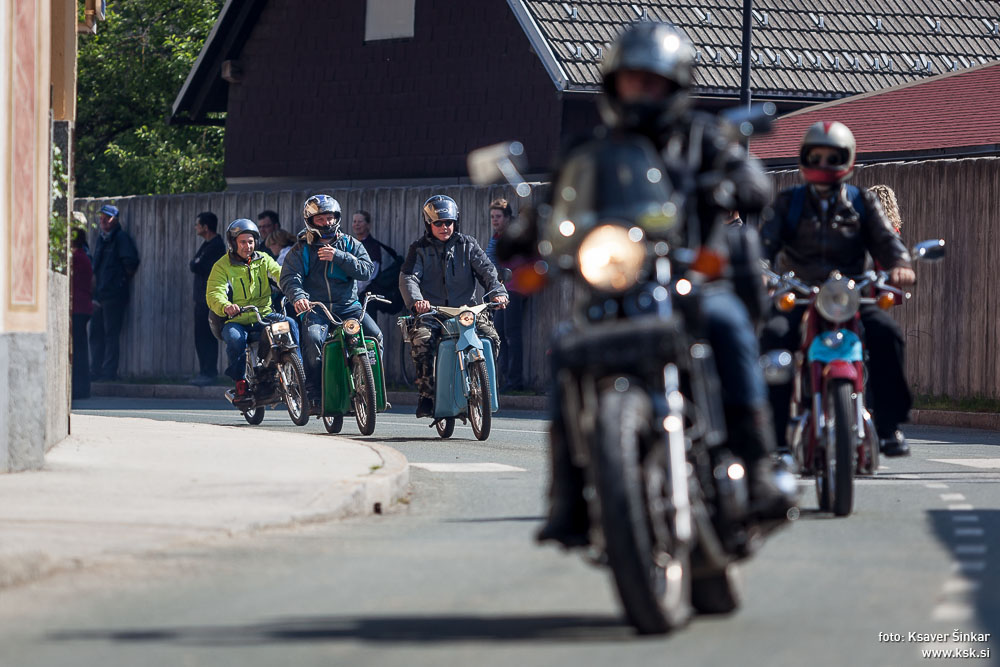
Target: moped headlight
467, 318
352, 326
837, 300
279, 328
609, 258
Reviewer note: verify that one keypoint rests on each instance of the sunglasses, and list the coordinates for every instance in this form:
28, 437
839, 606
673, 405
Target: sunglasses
443, 223
817, 160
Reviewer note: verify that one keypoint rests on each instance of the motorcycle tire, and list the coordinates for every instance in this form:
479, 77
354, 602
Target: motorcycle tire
840, 394
254, 416
295, 390
445, 427
654, 601
719, 593
333, 424
364, 394
480, 401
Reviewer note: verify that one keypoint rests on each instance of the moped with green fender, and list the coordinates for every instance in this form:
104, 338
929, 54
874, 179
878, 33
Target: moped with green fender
353, 376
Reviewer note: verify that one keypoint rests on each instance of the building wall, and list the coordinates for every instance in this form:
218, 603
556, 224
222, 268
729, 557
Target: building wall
317, 103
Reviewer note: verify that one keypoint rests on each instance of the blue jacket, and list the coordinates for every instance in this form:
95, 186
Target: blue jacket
115, 262
305, 276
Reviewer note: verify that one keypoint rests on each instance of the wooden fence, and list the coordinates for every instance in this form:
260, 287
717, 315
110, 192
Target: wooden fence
950, 323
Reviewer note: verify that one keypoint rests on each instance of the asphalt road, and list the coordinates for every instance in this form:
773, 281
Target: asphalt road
453, 577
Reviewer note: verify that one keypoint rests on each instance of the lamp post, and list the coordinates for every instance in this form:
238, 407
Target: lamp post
745, 69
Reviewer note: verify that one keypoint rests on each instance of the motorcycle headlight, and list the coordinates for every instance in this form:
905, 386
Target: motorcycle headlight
467, 318
837, 300
279, 328
352, 326
609, 259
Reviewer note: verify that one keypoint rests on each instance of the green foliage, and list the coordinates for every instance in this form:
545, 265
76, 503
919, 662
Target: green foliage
129, 75
58, 224
968, 404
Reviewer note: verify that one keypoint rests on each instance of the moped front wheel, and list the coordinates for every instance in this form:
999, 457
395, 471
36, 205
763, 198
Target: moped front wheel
254, 416
445, 427
480, 415
294, 383
364, 394
333, 424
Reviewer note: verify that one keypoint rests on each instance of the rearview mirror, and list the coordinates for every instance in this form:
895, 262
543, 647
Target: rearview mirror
932, 249
498, 163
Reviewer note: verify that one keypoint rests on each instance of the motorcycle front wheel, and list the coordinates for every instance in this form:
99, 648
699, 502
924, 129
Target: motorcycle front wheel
254, 416
294, 383
840, 394
445, 427
333, 424
364, 394
654, 586
480, 415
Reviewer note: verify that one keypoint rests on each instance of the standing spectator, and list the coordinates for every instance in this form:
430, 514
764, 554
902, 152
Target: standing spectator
279, 242
508, 321
888, 200
386, 279
116, 260
82, 293
212, 248
267, 223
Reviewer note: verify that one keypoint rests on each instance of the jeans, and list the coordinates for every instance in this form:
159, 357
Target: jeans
81, 358
737, 353
316, 329
105, 335
205, 343
508, 323
235, 337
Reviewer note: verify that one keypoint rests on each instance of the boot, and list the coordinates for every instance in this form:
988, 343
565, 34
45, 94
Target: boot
425, 406
773, 489
567, 522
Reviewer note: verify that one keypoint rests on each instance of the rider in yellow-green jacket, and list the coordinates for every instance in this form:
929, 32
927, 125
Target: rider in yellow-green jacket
239, 279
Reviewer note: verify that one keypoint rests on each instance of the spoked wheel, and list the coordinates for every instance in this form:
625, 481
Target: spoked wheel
653, 584
333, 424
445, 427
840, 396
364, 394
480, 415
293, 380
254, 416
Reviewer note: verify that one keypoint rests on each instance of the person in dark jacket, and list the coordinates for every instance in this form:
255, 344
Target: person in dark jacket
116, 260
212, 248
81, 289
824, 226
509, 320
325, 265
442, 269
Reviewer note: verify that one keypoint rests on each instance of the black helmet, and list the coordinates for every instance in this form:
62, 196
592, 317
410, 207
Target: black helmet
657, 48
322, 204
241, 226
439, 207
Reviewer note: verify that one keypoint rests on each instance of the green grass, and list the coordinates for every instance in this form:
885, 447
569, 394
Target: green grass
970, 404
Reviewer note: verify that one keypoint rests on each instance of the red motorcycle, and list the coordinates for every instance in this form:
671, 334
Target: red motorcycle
831, 432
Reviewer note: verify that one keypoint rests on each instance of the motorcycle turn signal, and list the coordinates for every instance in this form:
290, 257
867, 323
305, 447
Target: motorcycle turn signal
886, 300
785, 302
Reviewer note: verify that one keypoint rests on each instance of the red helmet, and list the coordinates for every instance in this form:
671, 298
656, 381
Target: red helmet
829, 134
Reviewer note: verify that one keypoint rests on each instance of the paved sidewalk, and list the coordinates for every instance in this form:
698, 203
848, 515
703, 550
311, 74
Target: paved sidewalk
122, 487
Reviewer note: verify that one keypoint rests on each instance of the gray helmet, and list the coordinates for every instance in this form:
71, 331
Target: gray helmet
439, 207
658, 48
241, 226
830, 134
322, 204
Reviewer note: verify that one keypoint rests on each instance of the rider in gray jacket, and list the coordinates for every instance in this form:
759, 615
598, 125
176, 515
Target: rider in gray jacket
325, 266
441, 269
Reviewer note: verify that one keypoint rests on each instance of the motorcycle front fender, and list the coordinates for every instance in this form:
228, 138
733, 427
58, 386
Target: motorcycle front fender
841, 370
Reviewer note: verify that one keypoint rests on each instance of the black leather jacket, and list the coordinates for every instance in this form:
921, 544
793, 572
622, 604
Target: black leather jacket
830, 234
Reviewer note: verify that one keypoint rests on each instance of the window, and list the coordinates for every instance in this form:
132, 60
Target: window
389, 19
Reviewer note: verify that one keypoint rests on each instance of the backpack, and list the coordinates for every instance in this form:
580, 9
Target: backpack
386, 284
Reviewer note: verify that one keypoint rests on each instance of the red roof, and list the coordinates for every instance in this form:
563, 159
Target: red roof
954, 110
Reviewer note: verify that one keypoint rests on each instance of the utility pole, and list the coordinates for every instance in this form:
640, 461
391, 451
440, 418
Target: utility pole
745, 70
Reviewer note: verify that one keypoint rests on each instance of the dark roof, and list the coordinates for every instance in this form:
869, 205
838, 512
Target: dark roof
947, 115
204, 90
801, 49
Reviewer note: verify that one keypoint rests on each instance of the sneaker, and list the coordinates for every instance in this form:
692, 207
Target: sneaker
425, 406
894, 445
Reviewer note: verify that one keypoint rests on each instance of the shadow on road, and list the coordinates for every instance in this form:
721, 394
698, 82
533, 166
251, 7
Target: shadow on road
402, 629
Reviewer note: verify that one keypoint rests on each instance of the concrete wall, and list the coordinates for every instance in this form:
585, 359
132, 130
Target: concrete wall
22, 401
57, 366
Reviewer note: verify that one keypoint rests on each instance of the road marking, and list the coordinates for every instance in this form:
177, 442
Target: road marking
936, 485
970, 550
458, 425
968, 532
985, 464
947, 497
960, 507
959, 585
965, 518
968, 566
467, 467
952, 611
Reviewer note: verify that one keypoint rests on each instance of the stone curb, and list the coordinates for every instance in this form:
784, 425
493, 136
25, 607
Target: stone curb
987, 421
